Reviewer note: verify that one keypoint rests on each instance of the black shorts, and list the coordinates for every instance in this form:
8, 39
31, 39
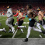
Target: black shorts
13, 22
41, 22
20, 22
32, 22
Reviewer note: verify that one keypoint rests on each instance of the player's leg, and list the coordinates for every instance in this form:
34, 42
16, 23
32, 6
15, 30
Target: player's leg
13, 22
36, 29
43, 26
41, 31
7, 25
10, 31
22, 30
10, 25
28, 33
31, 24
3, 29
38, 25
20, 22
41, 23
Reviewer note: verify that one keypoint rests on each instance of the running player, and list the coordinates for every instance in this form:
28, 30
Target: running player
20, 20
40, 18
10, 19
31, 16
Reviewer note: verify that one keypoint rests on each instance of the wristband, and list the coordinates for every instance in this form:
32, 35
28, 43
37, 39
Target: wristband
26, 16
29, 19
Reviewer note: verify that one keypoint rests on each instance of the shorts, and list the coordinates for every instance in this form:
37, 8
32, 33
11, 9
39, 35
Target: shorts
32, 22
10, 21
20, 22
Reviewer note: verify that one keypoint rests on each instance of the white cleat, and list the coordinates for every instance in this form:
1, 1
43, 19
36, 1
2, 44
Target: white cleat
40, 36
13, 31
0, 35
10, 31
4, 30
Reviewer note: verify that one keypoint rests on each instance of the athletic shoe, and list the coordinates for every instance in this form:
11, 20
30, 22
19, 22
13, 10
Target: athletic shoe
4, 30
40, 36
0, 35
10, 31
13, 31
26, 40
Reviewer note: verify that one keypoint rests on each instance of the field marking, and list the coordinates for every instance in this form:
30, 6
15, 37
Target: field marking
25, 22
14, 34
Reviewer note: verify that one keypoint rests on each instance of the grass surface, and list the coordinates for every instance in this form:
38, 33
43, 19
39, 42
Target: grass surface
34, 34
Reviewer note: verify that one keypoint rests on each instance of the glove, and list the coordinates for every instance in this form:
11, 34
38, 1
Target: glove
29, 19
26, 16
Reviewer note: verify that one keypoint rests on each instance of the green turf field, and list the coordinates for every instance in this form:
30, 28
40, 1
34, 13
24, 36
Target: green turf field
33, 34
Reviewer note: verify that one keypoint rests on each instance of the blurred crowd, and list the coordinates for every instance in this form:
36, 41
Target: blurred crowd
18, 6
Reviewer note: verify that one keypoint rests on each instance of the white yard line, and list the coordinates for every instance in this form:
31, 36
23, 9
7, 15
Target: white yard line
25, 22
14, 34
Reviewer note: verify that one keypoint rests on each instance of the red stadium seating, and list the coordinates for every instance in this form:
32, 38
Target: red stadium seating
16, 6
